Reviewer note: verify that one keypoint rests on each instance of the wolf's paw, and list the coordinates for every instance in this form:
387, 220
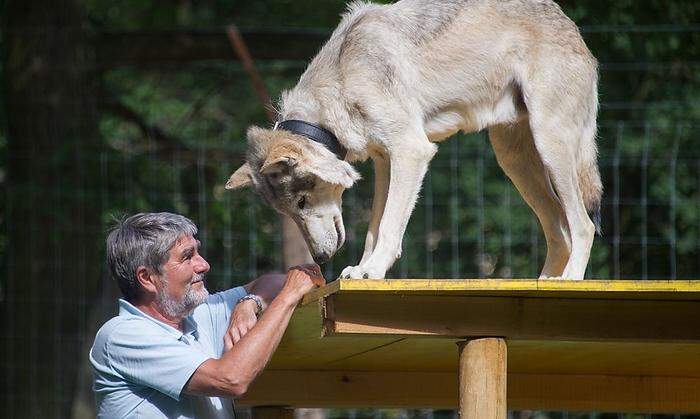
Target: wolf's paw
562, 278
354, 272
359, 272
550, 277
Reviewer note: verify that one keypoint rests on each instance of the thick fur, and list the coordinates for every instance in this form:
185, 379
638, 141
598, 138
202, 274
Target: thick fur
394, 80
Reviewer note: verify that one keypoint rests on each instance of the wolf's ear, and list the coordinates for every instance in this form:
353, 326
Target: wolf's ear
344, 175
271, 163
240, 178
316, 160
336, 172
280, 155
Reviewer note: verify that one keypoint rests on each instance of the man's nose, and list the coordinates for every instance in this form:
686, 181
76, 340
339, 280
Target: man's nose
202, 265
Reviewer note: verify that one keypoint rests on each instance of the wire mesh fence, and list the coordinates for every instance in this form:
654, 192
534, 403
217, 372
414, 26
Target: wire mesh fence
171, 136
470, 221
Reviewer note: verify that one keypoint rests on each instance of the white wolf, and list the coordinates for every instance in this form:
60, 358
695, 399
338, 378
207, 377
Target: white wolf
394, 80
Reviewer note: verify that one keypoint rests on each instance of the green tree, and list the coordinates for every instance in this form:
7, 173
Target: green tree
53, 214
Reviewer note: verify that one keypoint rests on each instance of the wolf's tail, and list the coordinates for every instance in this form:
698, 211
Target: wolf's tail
587, 160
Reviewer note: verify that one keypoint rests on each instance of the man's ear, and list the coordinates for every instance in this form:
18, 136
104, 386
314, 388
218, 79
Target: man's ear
240, 178
146, 278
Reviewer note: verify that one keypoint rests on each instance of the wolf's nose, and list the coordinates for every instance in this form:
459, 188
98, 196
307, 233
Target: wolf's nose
322, 257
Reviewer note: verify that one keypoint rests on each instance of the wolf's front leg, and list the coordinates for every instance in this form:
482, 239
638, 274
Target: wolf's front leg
408, 165
381, 190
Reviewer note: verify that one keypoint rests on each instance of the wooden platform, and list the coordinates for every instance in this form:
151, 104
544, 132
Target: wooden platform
586, 345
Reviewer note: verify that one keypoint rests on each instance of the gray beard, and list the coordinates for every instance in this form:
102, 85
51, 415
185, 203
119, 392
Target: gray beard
179, 309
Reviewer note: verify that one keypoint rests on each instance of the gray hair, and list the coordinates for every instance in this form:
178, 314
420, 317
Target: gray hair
144, 239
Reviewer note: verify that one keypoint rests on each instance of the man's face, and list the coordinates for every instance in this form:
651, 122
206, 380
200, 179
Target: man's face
181, 286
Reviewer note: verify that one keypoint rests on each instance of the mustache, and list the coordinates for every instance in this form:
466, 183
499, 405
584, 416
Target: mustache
197, 278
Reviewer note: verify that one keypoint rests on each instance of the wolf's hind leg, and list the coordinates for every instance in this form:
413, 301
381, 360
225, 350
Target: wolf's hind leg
557, 141
517, 156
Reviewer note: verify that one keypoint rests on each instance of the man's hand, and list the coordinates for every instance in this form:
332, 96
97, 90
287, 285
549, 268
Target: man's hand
303, 278
242, 320
314, 272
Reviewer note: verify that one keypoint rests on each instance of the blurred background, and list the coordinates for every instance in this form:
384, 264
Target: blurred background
113, 107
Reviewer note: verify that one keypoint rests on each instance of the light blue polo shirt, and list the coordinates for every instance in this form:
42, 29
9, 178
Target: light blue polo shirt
142, 365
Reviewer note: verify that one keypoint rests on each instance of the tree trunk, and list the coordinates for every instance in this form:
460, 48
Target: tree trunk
53, 202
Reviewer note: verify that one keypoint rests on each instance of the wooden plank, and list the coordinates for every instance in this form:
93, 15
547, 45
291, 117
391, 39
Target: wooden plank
611, 289
604, 358
304, 388
482, 379
611, 393
544, 357
316, 295
641, 394
302, 345
517, 318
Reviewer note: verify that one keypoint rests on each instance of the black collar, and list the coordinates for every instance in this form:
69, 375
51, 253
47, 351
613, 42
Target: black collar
314, 133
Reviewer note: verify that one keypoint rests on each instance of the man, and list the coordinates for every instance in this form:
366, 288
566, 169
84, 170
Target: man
174, 351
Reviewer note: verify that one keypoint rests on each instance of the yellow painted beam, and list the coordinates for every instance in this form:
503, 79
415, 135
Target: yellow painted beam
532, 287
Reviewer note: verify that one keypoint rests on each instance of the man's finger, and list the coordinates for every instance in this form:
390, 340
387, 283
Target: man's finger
235, 336
316, 278
308, 268
314, 273
228, 343
312, 267
319, 281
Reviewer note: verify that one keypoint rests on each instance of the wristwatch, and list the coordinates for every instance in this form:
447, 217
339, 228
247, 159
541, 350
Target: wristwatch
258, 303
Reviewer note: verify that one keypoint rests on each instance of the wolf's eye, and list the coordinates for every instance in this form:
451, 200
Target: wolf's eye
302, 202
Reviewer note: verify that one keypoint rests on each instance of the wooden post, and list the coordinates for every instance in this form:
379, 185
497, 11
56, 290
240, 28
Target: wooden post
482, 378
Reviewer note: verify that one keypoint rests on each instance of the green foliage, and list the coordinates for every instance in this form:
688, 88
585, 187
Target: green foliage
134, 14
172, 134
471, 222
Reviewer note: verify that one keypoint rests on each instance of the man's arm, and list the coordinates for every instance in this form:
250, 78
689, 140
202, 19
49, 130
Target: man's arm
231, 375
243, 317
266, 287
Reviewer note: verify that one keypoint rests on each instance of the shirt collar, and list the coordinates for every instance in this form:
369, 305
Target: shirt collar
126, 309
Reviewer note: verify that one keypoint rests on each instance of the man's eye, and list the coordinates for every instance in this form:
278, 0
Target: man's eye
302, 202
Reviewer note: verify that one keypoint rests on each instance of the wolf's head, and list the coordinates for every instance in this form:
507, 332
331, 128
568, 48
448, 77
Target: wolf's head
302, 179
